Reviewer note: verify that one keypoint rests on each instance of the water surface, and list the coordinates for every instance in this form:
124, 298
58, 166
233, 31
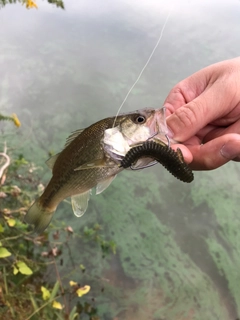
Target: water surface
178, 245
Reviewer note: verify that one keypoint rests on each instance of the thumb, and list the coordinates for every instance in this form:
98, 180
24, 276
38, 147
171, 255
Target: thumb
187, 120
216, 152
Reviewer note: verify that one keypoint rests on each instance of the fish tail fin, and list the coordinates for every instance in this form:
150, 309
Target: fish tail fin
39, 216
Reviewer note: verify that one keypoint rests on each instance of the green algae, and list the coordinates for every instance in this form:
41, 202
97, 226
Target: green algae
224, 240
162, 279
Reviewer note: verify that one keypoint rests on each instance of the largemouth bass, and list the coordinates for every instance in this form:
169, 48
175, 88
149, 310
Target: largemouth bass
92, 158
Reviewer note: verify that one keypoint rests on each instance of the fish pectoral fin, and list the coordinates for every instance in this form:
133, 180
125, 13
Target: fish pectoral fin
80, 203
101, 186
143, 162
99, 163
51, 161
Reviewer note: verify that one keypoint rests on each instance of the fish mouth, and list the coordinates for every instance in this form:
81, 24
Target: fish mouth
157, 126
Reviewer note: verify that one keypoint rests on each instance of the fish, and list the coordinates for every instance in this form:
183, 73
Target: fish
92, 158
172, 160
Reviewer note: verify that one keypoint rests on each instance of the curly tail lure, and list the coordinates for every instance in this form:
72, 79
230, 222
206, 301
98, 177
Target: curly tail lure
172, 160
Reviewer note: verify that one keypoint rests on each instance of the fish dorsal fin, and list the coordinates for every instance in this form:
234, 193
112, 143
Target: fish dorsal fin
101, 186
80, 203
72, 136
51, 161
98, 163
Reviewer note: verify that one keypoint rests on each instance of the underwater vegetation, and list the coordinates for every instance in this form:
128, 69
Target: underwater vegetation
166, 251
140, 259
26, 261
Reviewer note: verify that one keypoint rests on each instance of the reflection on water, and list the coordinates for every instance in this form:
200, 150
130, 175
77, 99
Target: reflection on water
178, 246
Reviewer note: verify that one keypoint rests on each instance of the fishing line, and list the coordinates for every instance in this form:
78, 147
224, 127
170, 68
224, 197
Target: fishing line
146, 64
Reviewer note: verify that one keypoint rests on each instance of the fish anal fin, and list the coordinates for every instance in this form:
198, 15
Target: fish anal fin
101, 186
80, 203
51, 161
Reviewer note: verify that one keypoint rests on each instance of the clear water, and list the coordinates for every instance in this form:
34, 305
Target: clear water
178, 246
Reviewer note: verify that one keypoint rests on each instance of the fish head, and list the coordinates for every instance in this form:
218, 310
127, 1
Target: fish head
142, 125
135, 128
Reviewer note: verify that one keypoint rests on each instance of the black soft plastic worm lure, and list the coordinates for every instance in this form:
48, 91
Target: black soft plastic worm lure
172, 160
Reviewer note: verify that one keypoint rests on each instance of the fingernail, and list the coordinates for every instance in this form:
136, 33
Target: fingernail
229, 152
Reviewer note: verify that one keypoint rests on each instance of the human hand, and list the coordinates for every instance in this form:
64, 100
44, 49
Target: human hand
204, 114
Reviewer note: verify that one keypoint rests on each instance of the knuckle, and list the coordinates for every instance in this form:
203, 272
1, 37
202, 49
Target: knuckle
187, 116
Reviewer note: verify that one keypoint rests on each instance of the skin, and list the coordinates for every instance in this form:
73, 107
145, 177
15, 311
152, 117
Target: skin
204, 114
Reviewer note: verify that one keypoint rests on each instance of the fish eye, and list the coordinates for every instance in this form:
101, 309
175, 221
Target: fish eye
140, 119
